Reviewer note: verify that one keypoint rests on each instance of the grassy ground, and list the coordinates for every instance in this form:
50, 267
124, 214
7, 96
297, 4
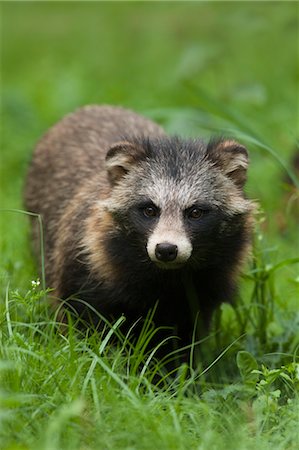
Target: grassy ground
197, 68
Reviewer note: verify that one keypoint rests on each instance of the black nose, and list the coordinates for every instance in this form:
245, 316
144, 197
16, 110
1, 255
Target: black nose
166, 252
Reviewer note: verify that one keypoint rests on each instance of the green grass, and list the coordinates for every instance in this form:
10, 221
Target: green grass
197, 68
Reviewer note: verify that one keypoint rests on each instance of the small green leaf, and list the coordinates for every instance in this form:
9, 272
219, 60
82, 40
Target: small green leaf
276, 394
247, 366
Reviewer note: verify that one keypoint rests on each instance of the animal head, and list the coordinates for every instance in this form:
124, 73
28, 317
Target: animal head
180, 200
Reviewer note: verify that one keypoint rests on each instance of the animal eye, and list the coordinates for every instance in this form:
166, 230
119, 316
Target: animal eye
150, 211
195, 213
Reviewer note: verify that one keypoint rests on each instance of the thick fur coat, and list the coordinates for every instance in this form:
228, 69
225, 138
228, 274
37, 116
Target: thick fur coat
132, 216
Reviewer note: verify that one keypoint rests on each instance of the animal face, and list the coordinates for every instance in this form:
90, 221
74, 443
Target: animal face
180, 200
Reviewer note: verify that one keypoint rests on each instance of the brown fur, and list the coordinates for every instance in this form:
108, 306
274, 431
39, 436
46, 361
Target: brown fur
86, 174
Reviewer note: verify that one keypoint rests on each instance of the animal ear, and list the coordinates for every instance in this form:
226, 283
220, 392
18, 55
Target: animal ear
231, 157
120, 158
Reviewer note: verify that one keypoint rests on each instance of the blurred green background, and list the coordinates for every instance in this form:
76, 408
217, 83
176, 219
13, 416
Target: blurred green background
196, 67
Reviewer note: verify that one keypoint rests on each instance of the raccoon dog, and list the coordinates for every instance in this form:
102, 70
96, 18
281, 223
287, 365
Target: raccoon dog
133, 217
